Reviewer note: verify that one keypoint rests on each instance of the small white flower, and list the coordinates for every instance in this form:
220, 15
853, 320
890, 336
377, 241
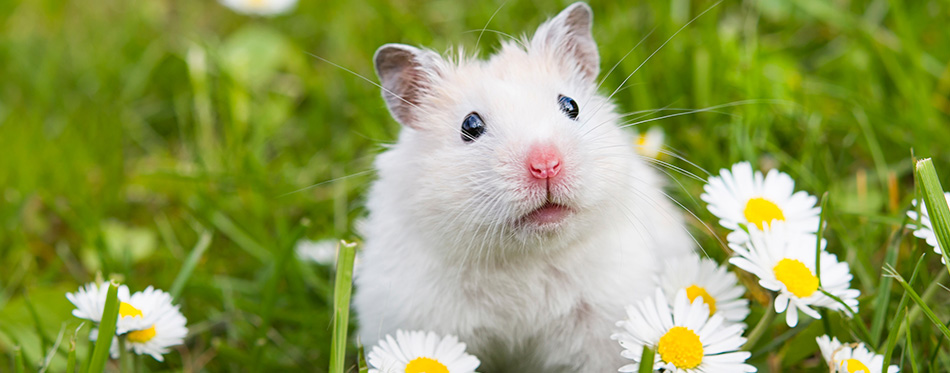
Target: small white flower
649, 143
151, 324
851, 358
260, 7
320, 252
686, 339
744, 197
925, 230
90, 300
713, 284
784, 262
147, 320
420, 352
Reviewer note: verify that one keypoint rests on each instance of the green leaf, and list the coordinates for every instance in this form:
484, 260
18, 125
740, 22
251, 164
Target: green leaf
110, 315
341, 305
646, 360
937, 208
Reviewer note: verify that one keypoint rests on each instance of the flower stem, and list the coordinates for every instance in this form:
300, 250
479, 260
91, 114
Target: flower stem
124, 361
761, 326
646, 360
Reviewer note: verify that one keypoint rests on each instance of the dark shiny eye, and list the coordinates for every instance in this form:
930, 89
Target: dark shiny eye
472, 127
568, 106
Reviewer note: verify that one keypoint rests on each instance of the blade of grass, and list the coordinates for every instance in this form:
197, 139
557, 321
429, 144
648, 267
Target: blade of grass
821, 234
920, 303
646, 360
44, 339
106, 330
909, 347
883, 297
52, 351
895, 324
937, 208
18, 365
341, 304
241, 238
71, 357
190, 263
856, 322
761, 326
774, 343
361, 359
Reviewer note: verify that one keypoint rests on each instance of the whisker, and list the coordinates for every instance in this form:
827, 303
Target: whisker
655, 52
361, 173
487, 23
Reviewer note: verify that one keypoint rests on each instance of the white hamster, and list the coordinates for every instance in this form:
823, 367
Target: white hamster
513, 211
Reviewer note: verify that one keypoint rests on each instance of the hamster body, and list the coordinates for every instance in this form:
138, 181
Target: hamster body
513, 211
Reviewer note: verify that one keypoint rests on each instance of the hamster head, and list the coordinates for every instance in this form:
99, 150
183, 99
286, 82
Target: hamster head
517, 153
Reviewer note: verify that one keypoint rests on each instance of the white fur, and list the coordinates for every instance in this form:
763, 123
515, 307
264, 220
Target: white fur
443, 251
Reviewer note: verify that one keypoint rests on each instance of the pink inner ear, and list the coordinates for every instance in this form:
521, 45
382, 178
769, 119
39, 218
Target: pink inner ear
568, 36
403, 80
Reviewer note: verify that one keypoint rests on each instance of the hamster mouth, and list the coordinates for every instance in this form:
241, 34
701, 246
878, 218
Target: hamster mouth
548, 214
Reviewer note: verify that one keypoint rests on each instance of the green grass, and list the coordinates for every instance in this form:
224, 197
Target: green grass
177, 144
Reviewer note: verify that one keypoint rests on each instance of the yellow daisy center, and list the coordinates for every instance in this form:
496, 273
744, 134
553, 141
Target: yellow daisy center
642, 140
797, 278
681, 347
856, 366
695, 291
126, 309
760, 211
426, 365
142, 336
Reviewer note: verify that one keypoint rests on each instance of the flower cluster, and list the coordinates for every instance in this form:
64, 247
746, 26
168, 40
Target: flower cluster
774, 238
148, 321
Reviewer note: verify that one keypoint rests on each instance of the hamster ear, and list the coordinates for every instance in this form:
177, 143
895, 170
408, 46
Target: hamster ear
568, 38
406, 73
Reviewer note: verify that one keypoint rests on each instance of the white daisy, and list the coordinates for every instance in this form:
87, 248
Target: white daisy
925, 230
851, 358
686, 339
151, 324
421, 352
784, 261
260, 7
649, 143
320, 252
703, 278
744, 197
90, 300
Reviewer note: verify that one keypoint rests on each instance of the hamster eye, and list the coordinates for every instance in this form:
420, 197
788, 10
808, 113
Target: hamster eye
568, 106
472, 127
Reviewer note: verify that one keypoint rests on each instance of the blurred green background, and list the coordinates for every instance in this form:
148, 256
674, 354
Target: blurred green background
129, 129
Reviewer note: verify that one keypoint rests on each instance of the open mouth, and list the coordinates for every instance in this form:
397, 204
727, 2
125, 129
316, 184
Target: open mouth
548, 213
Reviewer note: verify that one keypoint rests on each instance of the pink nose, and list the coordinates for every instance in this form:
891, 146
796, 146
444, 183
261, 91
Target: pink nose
544, 161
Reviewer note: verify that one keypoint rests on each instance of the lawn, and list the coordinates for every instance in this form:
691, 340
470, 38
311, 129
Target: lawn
176, 143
